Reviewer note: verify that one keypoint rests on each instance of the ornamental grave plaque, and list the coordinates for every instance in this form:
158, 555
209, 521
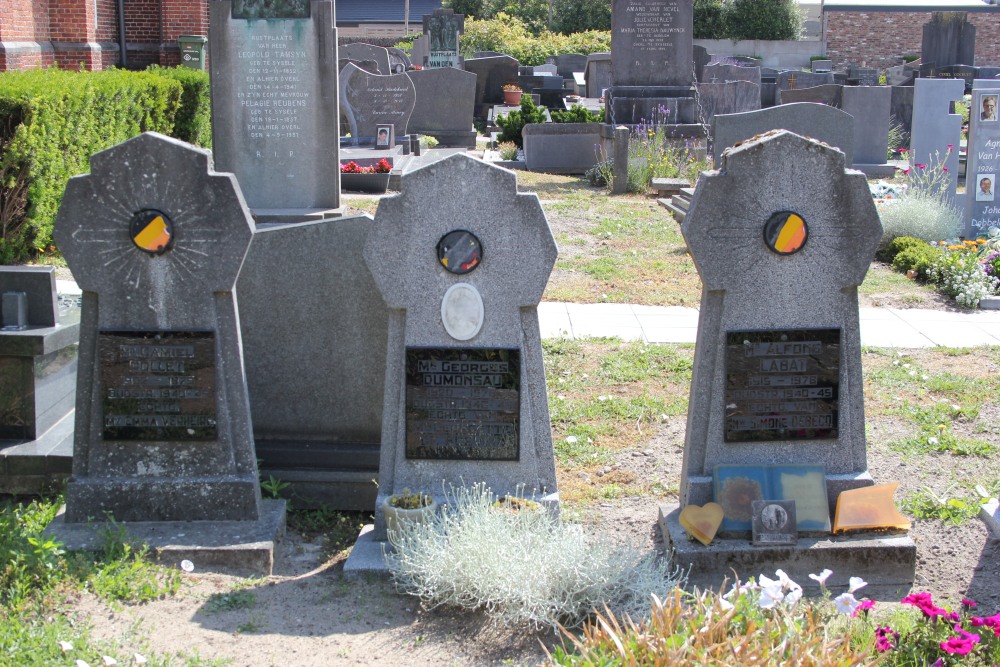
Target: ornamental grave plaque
158, 385
782, 385
462, 404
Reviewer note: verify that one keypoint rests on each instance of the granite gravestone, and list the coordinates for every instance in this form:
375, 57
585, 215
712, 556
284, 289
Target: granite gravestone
725, 98
364, 52
869, 106
701, 59
936, 130
491, 74
420, 51
948, 39
155, 240
369, 100
721, 73
827, 124
966, 73
274, 107
442, 29
317, 403
445, 99
863, 76
781, 235
464, 387
981, 203
821, 65
829, 94
399, 62
38, 361
792, 80
652, 63
598, 74
901, 107
568, 64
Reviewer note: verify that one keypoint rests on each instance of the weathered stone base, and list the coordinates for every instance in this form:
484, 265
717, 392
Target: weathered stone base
367, 556
244, 548
38, 466
285, 216
886, 562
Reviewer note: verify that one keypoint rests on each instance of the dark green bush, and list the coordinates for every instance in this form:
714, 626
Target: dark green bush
571, 16
193, 122
897, 245
764, 19
916, 258
710, 19
51, 122
512, 123
576, 114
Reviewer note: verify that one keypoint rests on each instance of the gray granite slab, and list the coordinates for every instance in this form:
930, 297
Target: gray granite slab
869, 105
274, 106
730, 97
651, 43
598, 74
748, 287
38, 283
361, 52
568, 64
901, 106
199, 465
791, 80
445, 100
827, 124
369, 100
829, 94
517, 255
722, 73
934, 127
491, 74
948, 39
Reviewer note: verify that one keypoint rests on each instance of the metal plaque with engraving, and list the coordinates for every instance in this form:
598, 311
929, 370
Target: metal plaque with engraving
158, 385
462, 403
782, 385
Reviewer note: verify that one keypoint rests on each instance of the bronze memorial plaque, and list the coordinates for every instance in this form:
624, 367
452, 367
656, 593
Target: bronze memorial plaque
462, 403
782, 385
158, 385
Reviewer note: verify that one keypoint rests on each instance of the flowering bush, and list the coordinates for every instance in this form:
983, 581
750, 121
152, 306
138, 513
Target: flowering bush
960, 274
922, 206
380, 167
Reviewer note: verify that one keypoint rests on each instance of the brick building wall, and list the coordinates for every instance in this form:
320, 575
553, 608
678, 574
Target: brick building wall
880, 39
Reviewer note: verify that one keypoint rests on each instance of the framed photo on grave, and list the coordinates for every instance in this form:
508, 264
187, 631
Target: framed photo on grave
774, 523
385, 136
463, 404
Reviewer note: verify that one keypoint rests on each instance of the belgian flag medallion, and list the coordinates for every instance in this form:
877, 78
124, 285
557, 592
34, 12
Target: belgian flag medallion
152, 231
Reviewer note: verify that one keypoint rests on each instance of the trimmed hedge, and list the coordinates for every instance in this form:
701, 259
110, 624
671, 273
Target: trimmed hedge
51, 122
510, 35
193, 122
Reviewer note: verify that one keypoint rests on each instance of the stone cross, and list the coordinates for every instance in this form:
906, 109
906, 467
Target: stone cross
781, 236
461, 259
156, 240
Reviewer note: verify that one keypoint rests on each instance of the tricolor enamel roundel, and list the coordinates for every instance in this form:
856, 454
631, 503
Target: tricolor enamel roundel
786, 232
152, 231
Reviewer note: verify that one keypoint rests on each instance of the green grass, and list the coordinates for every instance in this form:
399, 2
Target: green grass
925, 505
233, 601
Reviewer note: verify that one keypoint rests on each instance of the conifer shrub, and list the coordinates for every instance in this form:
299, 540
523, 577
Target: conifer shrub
51, 122
513, 122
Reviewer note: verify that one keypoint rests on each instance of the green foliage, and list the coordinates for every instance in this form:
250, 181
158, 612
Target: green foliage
510, 35
576, 114
652, 154
926, 504
51, 122
232, 601
272, 487
710, 19
888, 252
30, 562
572, 16
193, 122
514, 122
763, 19
471, 8
123, 571
508, 150
919, 258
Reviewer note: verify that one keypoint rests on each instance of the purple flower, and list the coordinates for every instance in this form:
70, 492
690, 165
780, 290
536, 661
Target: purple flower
863, 608
923, 602
885, 638
962, 644
967, 603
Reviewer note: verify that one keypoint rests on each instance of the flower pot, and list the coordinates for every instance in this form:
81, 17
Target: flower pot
395, 516
512, 97
375, 183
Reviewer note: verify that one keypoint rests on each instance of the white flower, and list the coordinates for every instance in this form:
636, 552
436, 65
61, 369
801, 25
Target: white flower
65, 646
846, 603
769, 597
725, 604
108, 660
821, 577
855, 583
82, 663
139, 658
932, 440
571, 439
187, 565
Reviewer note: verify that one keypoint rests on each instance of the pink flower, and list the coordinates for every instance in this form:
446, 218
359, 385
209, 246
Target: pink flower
923, 602
906, 171
962, 644
863, 608
950, 146
944, 168
991, 622
904, 150
885, 638
920, 166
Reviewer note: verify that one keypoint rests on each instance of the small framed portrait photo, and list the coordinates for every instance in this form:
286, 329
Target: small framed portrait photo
988, 108
985, 185
385, 136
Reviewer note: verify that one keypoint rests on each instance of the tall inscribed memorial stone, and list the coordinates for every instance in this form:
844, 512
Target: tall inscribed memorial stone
274, 101
651, 43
